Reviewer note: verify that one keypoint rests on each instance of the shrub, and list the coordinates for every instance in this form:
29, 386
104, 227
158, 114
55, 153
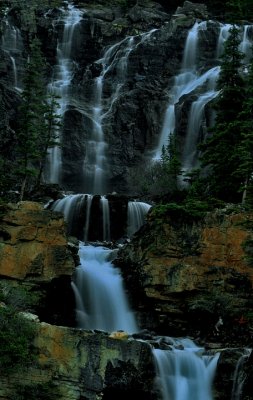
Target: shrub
39, 391
16, 338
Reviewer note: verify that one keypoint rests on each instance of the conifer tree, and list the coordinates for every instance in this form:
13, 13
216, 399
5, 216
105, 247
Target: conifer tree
220, 152
245, 149
238, 10
37, 123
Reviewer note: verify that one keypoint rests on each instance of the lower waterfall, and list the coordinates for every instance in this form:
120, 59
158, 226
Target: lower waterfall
100, 296
184, 371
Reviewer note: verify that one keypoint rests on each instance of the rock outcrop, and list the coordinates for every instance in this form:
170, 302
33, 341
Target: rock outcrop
34, 254
34, 244
76, 364
191, 272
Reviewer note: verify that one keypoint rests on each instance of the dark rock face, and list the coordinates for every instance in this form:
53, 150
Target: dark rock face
135, 95
234, 374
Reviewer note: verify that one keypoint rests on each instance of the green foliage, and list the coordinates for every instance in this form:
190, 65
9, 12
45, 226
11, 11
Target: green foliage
18, 297
39, 391
187, 211
248, 249
220, 152
37, 124
215, 303
245, 148
16, 336
32, 110
239, 10
161, 177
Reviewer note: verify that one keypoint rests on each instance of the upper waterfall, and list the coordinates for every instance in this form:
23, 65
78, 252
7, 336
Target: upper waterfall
60, 84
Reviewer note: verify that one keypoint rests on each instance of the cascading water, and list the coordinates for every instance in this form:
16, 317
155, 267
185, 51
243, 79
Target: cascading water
101, 302
106, 218
60, 85
95, 164
104, 305
77, 213
12, 44
114, 61
223, 36
189, 81
184, 372
136, 215
185, 82
195, 121
246, 44
239, 376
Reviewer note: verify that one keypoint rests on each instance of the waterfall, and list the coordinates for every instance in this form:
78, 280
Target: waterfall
195, 120
239, 377
88, 199
101, 300
96, 164
70, 207
246, 44
106, 218
223, 36
59, 86
184, 372
76, 209
184, 83
12, 44
136, 213
189, 80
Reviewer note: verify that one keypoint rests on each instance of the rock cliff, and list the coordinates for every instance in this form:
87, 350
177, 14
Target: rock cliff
189, 272
76, 364
181, 277
34, 254
135, 52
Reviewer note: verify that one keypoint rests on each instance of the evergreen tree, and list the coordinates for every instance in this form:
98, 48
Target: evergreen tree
48, 138
37, 121
245, 123
238, 10
220, 152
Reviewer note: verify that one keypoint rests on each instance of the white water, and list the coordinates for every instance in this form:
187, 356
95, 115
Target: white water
184, 372
223, 36
114, 70
246, 44
195, 121
106, 218
189, 80
60, 85
101, 300
12, 44
185, 82
239, 377
136, 214
96, 164
72, 207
